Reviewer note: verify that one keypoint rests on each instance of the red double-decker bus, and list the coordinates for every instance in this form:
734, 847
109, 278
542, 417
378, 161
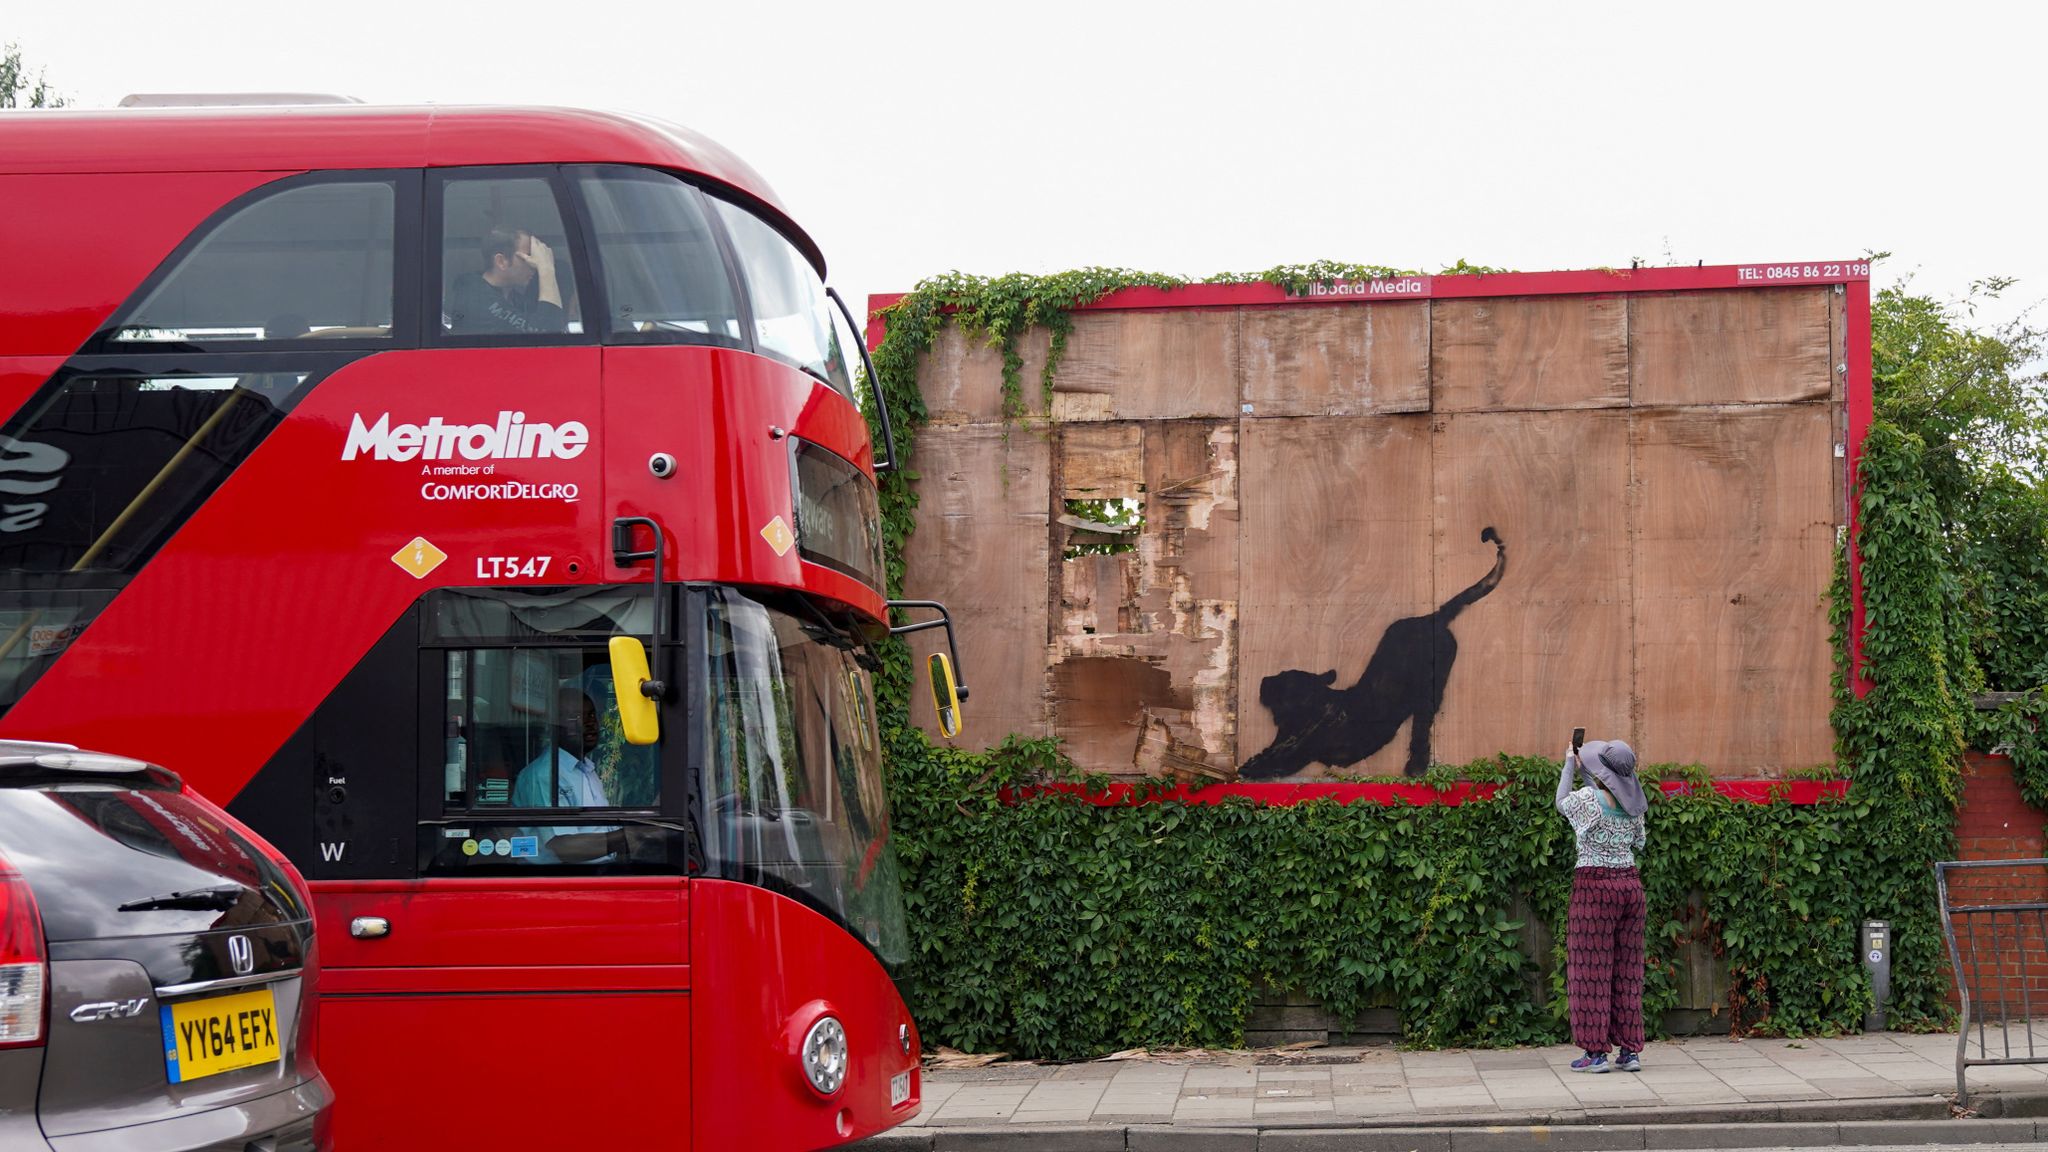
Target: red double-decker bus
475, 501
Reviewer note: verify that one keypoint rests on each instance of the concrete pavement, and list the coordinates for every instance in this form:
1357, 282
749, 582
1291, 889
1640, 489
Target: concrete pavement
1759, 1091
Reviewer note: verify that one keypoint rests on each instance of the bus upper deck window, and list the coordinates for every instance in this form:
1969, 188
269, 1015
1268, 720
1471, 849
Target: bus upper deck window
505, 260
792, 315
664, 278
311, 260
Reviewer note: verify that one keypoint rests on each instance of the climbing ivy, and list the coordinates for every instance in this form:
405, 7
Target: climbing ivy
1046, 926
1052, 928
1902, 742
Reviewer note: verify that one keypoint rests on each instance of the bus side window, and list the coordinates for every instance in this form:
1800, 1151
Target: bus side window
664, 278
506, 263
307, 261
792, 314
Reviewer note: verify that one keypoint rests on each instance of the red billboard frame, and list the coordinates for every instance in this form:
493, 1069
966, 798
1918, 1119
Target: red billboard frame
1850, 277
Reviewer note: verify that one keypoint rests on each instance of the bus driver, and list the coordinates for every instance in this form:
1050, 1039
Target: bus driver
517, 292
565, 776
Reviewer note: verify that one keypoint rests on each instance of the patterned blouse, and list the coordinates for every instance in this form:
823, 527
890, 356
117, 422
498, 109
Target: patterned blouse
1607, 836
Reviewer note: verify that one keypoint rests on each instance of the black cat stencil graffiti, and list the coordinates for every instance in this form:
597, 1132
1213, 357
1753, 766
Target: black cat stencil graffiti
1404, 680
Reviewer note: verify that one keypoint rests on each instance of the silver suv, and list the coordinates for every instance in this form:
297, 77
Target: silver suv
156, 967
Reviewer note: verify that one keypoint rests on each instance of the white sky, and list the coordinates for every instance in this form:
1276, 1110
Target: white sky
1201, 137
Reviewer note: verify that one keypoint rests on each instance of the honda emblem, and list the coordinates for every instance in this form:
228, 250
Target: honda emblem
241, 955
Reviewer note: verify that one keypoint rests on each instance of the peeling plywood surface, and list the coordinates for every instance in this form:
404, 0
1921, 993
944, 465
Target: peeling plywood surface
1549, 648
1510, 354
1149, 366
1336, 546
1355, 361
1102, 461
1765, 346
1144, 652
981, 548
1734, 554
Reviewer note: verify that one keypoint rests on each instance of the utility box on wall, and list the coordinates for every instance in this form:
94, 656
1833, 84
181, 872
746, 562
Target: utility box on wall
1261, 536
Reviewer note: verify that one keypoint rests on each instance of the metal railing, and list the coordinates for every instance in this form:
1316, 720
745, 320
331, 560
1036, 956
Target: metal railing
1997, 932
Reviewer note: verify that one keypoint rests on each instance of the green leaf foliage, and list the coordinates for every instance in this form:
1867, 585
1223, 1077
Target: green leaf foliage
1902, 743
1054, 929
18, 89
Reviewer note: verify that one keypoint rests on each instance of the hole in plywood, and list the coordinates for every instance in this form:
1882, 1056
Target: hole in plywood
1102, 527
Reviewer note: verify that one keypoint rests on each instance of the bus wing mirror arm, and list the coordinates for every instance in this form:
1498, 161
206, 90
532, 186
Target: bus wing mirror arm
945, 621
867, 364
624, 554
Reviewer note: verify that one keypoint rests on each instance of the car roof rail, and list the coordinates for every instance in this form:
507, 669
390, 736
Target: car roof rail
230, 99
20, 761
10, 745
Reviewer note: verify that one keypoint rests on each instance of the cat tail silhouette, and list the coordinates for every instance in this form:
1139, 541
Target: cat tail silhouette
1485, 584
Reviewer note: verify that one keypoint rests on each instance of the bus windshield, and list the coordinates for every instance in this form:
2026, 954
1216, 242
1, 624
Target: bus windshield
792, 798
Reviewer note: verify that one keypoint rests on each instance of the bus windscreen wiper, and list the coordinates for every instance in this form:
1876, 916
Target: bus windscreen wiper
197, 899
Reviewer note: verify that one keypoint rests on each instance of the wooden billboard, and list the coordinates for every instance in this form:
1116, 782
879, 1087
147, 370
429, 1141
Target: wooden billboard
1377, 533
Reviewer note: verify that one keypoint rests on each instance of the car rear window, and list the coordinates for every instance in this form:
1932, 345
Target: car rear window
122, 861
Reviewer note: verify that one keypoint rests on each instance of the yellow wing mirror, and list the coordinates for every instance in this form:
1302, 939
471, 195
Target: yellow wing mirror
948, 690
945, 694
639, 716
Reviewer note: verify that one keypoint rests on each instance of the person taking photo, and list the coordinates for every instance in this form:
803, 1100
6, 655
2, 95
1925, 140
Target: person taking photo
1604, 928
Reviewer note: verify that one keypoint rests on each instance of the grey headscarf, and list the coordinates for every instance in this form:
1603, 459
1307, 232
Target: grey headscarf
1613, 764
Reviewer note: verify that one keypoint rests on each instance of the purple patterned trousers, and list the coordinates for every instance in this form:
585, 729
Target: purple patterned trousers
1604, 959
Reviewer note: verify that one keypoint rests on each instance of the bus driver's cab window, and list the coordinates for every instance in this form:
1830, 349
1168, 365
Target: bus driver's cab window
505, 260
534, 738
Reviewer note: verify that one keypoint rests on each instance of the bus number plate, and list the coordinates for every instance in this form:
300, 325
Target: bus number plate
220, 1034
899, 1089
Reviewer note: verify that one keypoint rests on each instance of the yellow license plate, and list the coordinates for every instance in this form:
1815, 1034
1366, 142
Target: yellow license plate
220, 1034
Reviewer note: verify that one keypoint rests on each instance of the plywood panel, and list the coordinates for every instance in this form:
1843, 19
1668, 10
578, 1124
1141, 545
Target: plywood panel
1769, 345
962, 377
1145, 652
1336, 546
1529, 353
981, 548
1548, 648
1346, 360
1148, 366
1733, 558
1102, 461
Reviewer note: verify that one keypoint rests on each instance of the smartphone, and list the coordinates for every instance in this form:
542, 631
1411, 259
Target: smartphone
1578, 738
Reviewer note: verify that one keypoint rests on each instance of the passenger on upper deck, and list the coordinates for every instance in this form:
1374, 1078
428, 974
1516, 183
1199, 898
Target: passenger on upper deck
516, 293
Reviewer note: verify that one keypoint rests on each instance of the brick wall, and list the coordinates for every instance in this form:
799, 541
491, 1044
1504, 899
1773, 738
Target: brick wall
2004, 955
1993, 823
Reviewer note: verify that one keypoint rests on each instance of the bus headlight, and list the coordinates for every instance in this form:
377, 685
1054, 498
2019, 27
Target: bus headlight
824, 1055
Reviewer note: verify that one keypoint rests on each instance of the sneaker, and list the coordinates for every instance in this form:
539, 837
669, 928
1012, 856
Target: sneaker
1591, 1062
1629, 1061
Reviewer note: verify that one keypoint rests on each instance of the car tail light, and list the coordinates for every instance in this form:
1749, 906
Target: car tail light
24, 974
